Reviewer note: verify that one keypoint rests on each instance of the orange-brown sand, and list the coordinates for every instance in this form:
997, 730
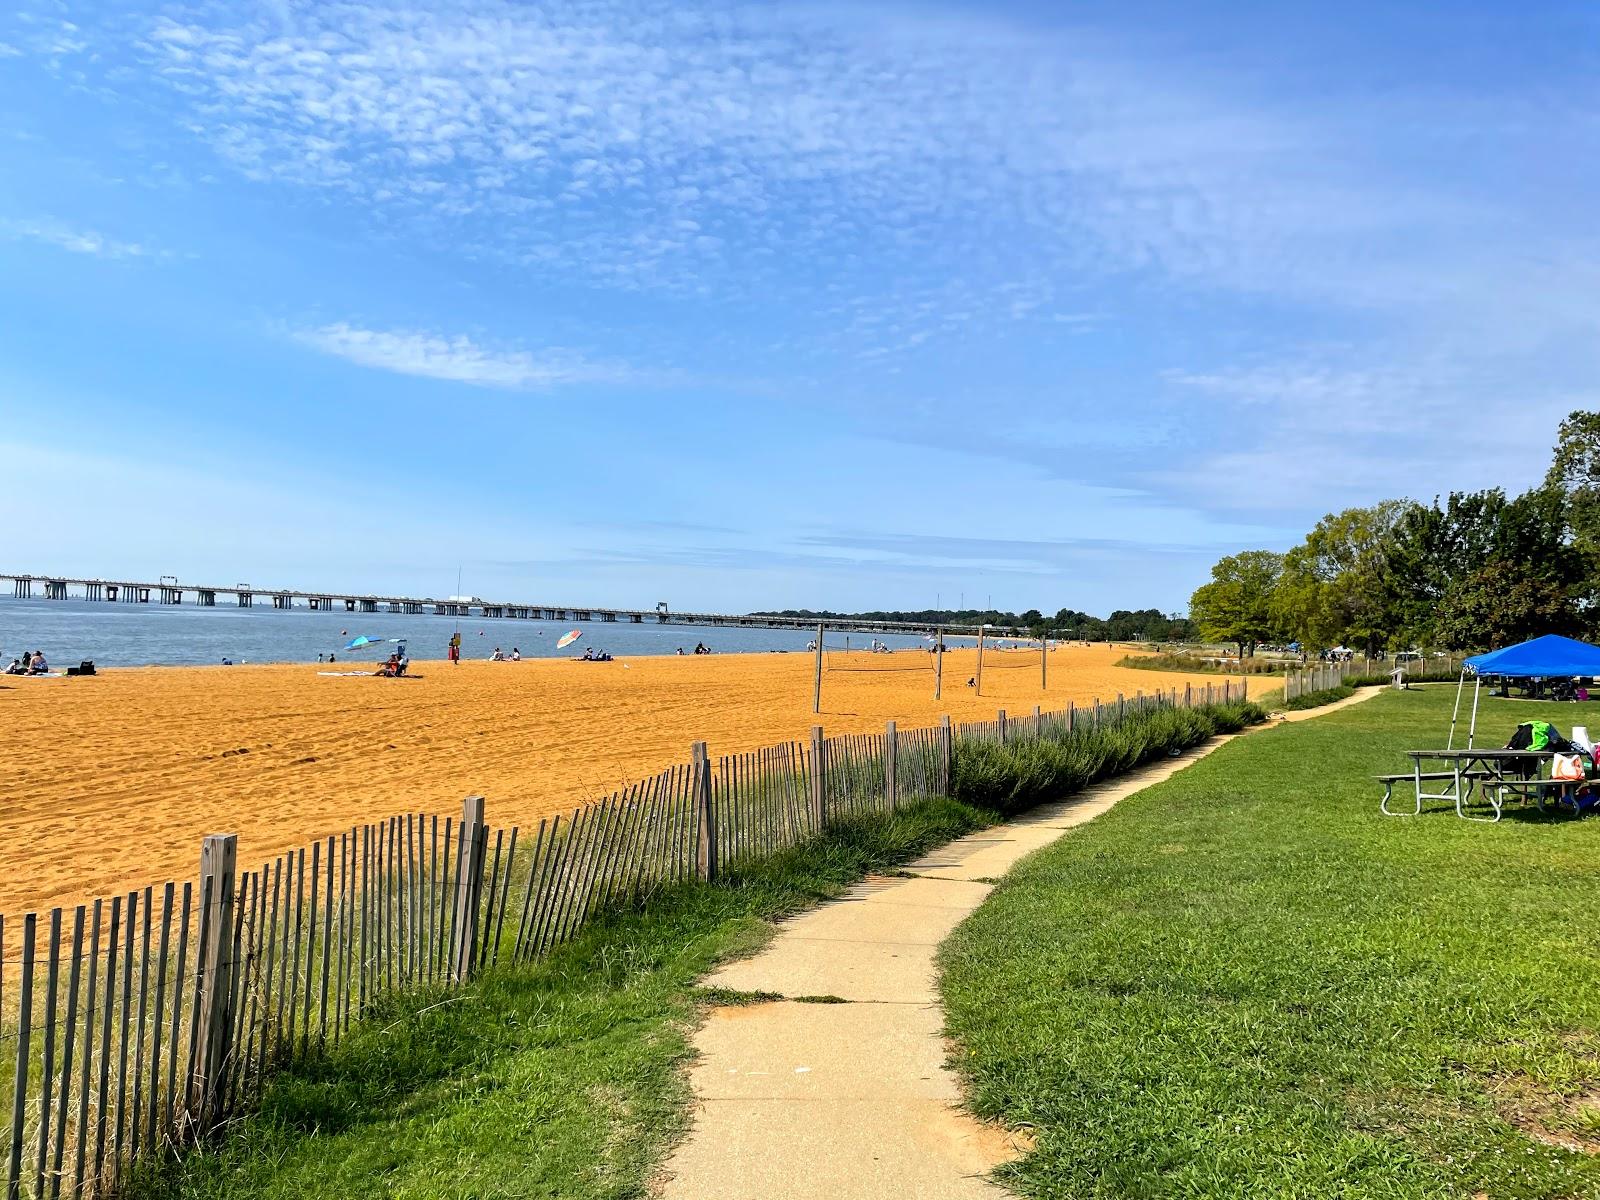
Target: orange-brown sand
110, 782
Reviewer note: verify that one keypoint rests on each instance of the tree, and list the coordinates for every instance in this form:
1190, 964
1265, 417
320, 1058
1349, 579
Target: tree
1237, 605
1575, 472
1333, 586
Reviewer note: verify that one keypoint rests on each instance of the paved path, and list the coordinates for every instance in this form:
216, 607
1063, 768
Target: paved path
850, 1099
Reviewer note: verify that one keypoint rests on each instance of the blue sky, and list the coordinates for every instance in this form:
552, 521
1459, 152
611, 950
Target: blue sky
737, 306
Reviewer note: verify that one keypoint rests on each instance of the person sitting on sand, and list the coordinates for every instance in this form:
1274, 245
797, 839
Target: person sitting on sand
680, 651
38, 666
497, 656
390, 669
516, 655
27, 659
15, 666
588, 654
603, 656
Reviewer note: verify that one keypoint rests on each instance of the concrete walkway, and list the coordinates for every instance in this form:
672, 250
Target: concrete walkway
839, 1091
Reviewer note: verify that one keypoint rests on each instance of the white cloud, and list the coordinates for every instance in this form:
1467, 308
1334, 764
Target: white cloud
458, 359
77, 241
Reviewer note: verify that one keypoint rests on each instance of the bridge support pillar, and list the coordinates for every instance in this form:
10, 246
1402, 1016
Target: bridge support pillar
22, 589
171, 595
247, 600
206, 598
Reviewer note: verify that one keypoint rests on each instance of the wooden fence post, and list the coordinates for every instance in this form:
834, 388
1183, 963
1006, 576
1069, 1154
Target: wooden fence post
706, 850
1188, 695
469, 888
819, 779
946, 748
1000, 720
891, 756
219, 855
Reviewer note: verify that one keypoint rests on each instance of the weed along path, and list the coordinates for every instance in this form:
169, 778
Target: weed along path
825, 1077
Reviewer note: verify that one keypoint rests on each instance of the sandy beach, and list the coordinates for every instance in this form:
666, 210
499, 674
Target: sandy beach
112, 781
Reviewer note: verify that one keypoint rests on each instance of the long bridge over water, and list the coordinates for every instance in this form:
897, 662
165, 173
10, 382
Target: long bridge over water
169, 591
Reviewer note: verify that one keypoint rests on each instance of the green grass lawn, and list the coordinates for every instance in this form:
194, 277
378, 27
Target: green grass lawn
1247, 982
556, 1080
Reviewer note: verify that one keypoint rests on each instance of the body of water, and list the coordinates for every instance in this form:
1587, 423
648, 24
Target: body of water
69, 631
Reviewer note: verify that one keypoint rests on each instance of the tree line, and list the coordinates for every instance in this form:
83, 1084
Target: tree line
1124, 625
1472, 571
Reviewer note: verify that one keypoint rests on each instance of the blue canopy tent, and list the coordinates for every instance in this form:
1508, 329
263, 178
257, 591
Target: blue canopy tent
1549, 657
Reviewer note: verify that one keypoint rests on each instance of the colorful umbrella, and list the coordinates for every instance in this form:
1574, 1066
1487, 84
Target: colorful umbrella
364, 640
568, 638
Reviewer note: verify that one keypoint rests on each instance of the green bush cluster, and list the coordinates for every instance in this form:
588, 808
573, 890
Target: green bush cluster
1196, 664
1318, 698
1027, 771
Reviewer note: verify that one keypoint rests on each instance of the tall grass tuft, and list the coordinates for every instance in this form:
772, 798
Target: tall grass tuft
1019, 774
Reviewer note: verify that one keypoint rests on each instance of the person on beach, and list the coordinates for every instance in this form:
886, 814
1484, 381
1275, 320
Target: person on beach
27, 660
38, 666
497, 656
516, 655
15, 666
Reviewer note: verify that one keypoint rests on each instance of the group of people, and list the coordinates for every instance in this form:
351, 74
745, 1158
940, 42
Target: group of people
592, 655
397, 665
699, 648
29, 664
499, 656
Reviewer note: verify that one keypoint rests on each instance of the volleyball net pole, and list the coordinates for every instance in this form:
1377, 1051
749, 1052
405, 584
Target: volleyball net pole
1044, 656
978, 682
938, 663
816, 694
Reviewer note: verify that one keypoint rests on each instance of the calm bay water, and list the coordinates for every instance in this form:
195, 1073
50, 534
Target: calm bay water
69, 631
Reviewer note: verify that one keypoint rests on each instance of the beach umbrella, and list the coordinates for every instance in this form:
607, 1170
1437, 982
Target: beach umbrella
364, 641
568, 638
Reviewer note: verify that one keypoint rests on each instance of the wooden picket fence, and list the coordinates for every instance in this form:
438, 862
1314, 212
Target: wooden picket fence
141, 1023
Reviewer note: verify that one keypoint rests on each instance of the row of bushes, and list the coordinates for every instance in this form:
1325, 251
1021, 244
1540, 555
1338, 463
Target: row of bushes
1019, 774
1320, 697
1191, 664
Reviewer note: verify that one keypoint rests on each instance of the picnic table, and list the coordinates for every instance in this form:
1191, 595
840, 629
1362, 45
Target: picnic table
1493, 771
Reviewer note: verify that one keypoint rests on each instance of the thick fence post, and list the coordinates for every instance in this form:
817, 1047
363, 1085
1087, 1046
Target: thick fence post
946, 753
1188, 695
219, 854
819, 779
1000, 720
469, 888
706, 850
891, 757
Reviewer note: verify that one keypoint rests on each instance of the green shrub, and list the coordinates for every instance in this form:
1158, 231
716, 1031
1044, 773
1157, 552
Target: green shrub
1030, 770
1318, 698
1194, 664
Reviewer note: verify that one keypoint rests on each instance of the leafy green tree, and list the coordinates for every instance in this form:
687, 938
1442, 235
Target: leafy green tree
1333, 586
1575, 472
1238, 604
